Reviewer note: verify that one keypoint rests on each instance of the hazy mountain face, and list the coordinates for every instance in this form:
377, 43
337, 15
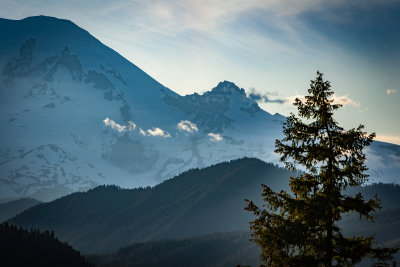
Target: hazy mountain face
75, 114
11, 208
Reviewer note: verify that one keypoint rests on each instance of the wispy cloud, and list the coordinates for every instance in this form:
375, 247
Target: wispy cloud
120, 128
131, 126
109, 122
391, 91
263, 97
187, 126
291, 99
215, 137
155, 131
344, 100
142, 132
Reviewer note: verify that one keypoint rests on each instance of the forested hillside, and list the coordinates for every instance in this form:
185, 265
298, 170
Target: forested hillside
11, 208
219, 249
230, 249
22, 247
197, 202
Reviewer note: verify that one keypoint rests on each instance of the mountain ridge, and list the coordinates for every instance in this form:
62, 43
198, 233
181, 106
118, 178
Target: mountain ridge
197, 202
76, 114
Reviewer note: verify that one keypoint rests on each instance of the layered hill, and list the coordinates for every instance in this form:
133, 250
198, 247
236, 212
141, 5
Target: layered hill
197, 202
75, 114
11, 208
219, 249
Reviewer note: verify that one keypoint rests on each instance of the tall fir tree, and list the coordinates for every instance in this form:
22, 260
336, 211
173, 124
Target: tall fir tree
301, 228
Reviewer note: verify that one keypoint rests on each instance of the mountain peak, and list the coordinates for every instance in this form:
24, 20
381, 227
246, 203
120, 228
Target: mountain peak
227, 87
48, 21
44, 18
40, 23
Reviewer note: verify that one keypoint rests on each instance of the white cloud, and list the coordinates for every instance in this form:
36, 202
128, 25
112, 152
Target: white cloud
215, 137
142, 132
291, 99
391, 91
344, 100
108, 122
120, 128
155, 131
131, 126
187, 126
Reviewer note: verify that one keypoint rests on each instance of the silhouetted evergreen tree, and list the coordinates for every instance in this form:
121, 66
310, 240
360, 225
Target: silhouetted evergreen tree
300, 229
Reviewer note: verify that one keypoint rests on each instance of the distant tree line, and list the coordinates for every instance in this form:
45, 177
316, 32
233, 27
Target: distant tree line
197, 202
219, 249
22, 247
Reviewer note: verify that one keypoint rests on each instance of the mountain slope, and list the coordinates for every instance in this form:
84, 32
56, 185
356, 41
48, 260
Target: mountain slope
75, 114
194, 203
12, 208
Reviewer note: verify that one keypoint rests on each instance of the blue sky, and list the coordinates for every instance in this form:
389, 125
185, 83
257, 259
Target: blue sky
274, 47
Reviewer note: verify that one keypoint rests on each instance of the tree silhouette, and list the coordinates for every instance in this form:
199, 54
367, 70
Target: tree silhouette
300, 228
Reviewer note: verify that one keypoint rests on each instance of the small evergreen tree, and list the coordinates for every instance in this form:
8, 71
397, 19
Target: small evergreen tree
300, 229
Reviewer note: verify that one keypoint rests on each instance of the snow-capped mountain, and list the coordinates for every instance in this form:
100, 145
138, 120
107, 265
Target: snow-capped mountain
75, 114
